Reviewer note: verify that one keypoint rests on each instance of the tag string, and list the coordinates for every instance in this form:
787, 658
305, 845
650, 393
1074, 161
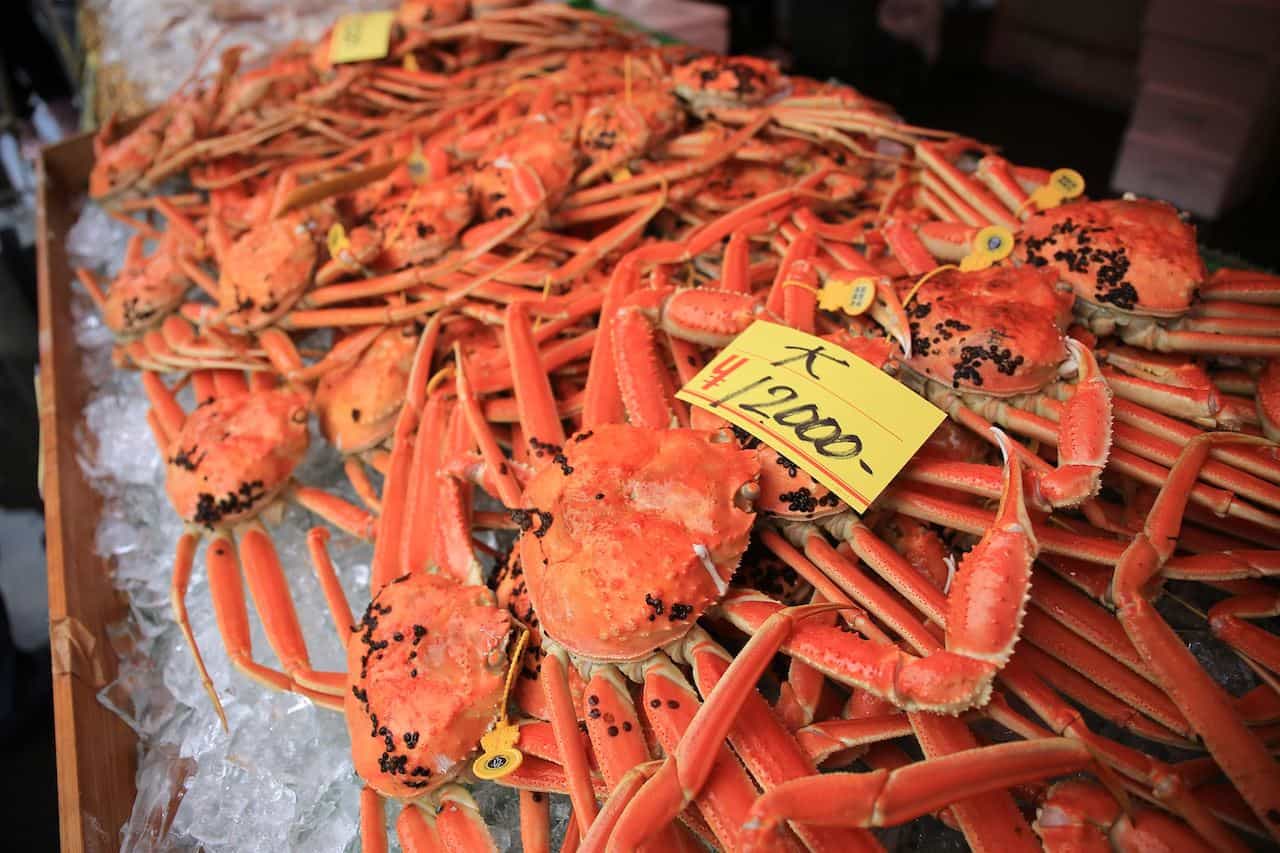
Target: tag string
517, 658
919, 284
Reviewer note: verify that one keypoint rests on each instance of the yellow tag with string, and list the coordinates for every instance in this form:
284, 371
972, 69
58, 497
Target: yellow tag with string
337, 240
853, 296
990, 246
361, 36
846, 423
499, 755
419, 168
1063, 185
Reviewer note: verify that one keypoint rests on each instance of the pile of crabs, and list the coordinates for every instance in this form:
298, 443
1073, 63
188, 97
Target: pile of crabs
484, 264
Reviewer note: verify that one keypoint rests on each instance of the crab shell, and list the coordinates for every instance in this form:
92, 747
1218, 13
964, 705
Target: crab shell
632, 534
267, 269
422, 224
425, 680
997, 331
233, 455
1133, 256
144, 294
726, 81
356, 406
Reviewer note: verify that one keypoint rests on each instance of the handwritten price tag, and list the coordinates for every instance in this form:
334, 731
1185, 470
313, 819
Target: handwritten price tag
849, 425
361, 36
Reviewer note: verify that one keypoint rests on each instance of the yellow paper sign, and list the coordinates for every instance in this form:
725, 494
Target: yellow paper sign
361, 36
1063, 184
853, 296
849, 425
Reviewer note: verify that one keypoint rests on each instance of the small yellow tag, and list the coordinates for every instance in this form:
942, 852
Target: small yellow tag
853, 296
410, 63
361, 36
1063, 184
419, 168
992, 244
498, 754
849, 425
338, 240
620, 174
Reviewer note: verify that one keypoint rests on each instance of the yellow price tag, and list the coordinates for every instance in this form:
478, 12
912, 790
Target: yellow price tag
1064, 184
853, 296
337, 240
992, 244
419, 168
410, 63
849, 425
361, 36
498, 754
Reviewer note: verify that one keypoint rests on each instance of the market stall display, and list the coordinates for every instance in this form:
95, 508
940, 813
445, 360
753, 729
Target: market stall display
485, 247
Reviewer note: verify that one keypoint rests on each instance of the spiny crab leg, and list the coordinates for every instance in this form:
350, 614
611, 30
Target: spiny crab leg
1238, 750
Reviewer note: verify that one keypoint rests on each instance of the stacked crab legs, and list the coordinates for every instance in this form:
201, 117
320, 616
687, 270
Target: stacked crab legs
595, 333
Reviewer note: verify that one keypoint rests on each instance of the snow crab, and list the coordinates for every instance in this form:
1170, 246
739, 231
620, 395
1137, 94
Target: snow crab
226, 464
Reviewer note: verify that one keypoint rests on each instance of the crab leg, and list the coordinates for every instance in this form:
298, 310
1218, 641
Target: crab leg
1242, 286
1240, 753
722, 791
183, 559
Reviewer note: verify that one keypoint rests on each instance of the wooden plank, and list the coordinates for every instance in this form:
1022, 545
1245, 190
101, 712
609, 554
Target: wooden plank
96, 751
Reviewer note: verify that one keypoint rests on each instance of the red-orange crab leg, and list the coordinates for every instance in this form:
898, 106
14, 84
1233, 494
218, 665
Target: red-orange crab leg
1242, 286
184, 557
272, 600
770, 752
1146, 776
618, 742
887, 798
722, 796
992, 209
564, 719
1241, 754
1079, 815
1227, 620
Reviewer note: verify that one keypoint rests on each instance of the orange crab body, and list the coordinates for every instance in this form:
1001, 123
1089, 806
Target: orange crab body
356, 406
266, 270
147, 290
633, 536
425, 681
233, 455
726, 81
1131, 256
998, 331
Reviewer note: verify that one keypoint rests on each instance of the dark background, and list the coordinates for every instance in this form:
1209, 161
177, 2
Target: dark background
1050, 92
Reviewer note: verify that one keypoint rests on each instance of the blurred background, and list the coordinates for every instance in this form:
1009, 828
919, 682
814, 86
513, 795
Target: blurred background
1170, 98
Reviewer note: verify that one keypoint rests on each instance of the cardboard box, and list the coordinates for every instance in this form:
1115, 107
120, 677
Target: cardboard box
1113, 25
1249, 27
1087, 72
1199, 181
1192, 120
1247, 81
